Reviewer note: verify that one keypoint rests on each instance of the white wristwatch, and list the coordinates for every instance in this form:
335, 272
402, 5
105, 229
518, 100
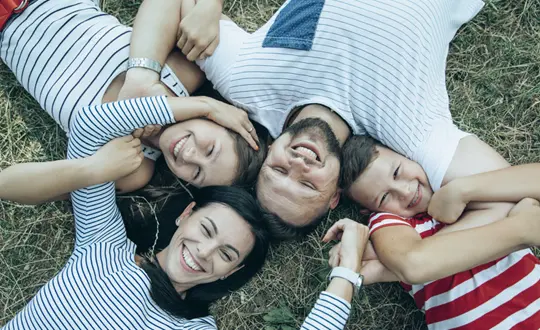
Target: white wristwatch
356, 279
146, 63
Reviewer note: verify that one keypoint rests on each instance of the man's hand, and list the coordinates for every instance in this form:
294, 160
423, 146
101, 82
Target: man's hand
448, 203
198, 33
117, 158
349, 252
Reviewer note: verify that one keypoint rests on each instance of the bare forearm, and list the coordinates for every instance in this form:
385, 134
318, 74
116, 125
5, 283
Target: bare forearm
443, 255
510, 184
185, 108
34, 183
155, 29
341, 288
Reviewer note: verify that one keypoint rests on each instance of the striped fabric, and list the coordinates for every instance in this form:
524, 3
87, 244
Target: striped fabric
101, 287
66, 53
502, 294
379, 64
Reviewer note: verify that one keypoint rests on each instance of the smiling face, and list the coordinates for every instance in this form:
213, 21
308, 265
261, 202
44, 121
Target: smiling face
392, 183
298, 180
200, 152
210, 243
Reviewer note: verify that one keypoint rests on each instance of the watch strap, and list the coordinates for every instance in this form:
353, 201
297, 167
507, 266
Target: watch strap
146, 63
349, 275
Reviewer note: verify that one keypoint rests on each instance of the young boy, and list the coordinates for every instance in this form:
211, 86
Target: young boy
479, 278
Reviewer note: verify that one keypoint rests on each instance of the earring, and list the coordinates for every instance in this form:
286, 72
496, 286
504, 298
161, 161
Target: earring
222, 278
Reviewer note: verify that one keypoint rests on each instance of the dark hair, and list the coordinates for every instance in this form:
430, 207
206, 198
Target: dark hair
249, 161
198, 299
357, 153
283, 231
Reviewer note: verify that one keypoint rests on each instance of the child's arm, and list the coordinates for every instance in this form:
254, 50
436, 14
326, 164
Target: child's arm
415, 260
510, 184
34, 183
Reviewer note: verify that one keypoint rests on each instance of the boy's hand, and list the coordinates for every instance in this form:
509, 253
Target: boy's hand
349, 252
117, 158
198, 33
528, 210
448, 203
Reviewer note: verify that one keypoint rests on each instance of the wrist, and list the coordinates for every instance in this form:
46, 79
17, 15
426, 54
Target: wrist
352, 265
140, 75
89, 169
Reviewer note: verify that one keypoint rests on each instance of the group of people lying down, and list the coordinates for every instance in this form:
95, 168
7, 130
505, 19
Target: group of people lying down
352, 96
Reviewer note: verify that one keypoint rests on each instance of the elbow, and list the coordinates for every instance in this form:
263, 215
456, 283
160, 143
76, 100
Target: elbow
413, 269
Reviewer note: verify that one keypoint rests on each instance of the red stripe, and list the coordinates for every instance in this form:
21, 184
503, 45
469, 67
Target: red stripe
389, 225
501, 313
532, 322
482, 293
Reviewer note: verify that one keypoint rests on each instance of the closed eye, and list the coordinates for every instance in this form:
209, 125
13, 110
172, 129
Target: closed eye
280, 170
206, 231
396, 172
309, 185
197, 174
383, 199
225, 256
210, 151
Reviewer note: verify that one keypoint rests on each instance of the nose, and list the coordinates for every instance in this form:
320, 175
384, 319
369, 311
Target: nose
191, 154
298, 165
402, 190
206, 248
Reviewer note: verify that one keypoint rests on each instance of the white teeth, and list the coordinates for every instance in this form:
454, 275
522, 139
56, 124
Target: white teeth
189, 260
179, 145
306, 152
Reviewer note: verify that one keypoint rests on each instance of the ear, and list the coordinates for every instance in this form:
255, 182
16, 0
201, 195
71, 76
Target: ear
187, 212
334, 201
233, 271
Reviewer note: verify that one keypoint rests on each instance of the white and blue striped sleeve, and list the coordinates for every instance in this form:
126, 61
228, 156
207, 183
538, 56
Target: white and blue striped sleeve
329, 313
97, 218
203, 323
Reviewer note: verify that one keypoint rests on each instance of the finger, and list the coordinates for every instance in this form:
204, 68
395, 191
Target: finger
249, 139
148, 130
195, 53
135, 143
210, 49
333, 232
188, 46
137, 133
157, 129
251, 130
181, 40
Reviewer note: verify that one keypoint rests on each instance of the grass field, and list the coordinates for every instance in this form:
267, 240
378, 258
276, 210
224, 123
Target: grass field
494, 85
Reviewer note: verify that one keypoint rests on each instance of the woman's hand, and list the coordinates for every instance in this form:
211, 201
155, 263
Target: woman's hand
146, 132
198, 33
117, 158
234, 119
448, 203
349, 252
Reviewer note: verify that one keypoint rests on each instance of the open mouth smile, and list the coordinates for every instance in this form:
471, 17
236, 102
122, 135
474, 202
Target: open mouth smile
308, 151
417, 198
177, 146
188, 262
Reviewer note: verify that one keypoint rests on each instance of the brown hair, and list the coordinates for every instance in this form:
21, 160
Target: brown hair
357, 153
249, 160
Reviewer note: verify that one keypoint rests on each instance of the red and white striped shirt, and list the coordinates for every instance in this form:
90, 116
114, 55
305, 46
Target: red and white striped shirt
502, 294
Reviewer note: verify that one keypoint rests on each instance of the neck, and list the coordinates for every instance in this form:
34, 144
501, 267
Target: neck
337, 124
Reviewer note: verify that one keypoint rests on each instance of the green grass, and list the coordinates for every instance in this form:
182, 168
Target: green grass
494, 85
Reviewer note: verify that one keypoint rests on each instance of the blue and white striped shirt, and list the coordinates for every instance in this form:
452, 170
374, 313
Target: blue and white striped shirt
379, 64
101, 286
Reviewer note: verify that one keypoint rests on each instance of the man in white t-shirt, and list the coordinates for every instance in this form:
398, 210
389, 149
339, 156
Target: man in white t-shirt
320, 70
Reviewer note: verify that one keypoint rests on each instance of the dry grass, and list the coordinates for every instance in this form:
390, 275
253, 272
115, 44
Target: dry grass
494, 85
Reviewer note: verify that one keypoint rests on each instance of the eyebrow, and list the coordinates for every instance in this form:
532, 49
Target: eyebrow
216, 231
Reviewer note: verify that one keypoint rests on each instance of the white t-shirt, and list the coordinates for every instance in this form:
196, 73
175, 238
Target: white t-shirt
379, 65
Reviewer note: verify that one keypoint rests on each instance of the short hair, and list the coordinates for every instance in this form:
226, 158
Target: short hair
282, 231
357, 153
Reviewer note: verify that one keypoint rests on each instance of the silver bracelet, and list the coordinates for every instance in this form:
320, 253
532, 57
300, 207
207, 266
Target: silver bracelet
146, 63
